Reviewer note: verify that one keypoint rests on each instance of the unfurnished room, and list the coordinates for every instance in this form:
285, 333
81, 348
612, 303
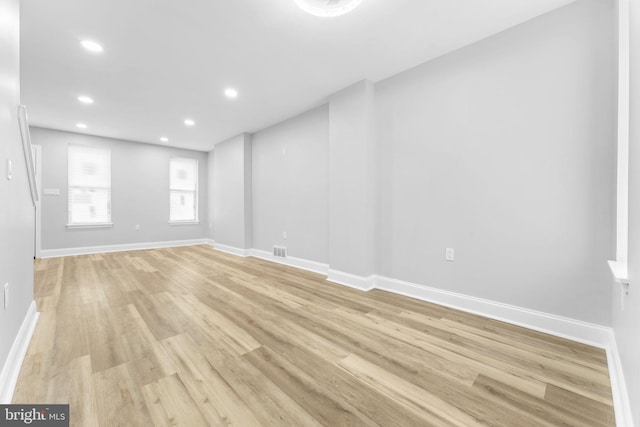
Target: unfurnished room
320, 213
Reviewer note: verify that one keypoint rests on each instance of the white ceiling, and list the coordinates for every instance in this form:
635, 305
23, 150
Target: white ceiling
166, 60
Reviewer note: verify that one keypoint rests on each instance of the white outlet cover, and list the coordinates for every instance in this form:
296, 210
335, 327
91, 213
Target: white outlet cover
449, 254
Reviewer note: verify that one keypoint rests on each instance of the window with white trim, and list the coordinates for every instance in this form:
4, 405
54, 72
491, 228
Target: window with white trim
183, 190
89, 185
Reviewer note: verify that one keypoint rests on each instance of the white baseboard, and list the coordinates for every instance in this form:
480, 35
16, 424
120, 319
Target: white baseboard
11, 368
347, 279
564, 327
304, 264
52, 253
231, 250
621, 404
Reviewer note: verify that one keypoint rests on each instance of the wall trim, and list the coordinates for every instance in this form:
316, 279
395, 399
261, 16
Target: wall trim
564, 327
11, 368
53, 253
231, 249
621, 403
304, 264
353, 281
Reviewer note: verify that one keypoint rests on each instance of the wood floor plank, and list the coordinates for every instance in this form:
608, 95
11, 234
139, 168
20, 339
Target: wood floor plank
579, 405
160, 313
219, 402
170, 404
320, 402
344, 386
270, 405
119, 398
33, 381
212, 322
415, 399
106, 346
525, 406
193, 336
75, 387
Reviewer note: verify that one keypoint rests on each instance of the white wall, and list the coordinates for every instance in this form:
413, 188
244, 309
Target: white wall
504, 151
290, 186
626, 321
231, 192
16, 209
139, 193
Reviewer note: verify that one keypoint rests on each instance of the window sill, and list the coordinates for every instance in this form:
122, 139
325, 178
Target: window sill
88, 226
619, 271
184, 222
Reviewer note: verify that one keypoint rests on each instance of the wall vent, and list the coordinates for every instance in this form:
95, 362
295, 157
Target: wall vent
280, 251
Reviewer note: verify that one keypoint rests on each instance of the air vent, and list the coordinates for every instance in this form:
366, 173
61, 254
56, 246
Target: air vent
280, 251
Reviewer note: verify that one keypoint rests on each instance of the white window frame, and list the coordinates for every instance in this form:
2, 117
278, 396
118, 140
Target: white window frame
101, 224
196, 192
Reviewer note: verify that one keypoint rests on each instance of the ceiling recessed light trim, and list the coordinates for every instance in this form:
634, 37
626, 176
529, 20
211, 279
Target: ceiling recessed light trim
85, 99
231, 93
164, 139
81, 125
189, 122
92, 46
328, 8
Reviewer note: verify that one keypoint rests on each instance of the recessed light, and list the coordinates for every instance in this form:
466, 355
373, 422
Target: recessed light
92, 46
231, 93
164, 139
189, 122
326, 9
81, 125
85, 99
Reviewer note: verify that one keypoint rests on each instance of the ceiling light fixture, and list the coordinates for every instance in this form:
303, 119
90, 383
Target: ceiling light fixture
231, 93
85, 99
328, 8
189, 122
164, 139
81, 125
92, 46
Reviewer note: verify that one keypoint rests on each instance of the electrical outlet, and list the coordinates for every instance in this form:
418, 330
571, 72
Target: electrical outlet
449, 254
284, 235
137, 227
9, 169
6, 295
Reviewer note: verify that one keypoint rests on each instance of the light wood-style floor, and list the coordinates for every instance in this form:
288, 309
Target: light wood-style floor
195, 337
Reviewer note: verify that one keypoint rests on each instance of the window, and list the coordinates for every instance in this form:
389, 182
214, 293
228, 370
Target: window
89, 186
183, 190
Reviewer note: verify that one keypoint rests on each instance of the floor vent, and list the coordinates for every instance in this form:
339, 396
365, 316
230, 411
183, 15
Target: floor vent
280, 251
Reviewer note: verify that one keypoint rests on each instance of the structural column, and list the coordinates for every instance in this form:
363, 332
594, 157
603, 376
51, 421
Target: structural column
351, 186
232, 197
